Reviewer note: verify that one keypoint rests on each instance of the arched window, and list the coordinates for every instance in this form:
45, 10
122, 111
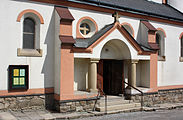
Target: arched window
129, 28
28, 34
160, 40
31, 22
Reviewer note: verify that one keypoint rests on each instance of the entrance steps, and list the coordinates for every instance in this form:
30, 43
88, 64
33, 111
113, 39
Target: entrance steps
117, 103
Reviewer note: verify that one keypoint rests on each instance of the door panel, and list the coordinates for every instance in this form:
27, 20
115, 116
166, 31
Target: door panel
113, 76
100, 75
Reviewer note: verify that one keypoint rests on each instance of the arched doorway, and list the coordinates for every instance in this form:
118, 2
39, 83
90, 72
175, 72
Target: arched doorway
111, 67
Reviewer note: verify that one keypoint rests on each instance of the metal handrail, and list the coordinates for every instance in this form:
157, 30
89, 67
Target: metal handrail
101, 91
142, 94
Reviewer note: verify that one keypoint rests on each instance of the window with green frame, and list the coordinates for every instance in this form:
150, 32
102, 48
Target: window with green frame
18, 77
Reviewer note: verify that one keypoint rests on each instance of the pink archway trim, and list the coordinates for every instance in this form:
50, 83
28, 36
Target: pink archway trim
78, 34
125, 23
162, 30
181, 35
30, 11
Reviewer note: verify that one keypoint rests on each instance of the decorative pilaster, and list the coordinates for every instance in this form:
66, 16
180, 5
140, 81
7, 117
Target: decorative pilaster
64, 88
153, 72
92, 75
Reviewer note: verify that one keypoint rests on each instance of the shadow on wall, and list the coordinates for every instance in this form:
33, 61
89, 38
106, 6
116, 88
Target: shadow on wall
142, 35
138, 38
48, 66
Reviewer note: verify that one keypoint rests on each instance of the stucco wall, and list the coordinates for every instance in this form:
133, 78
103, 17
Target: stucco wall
157, 1
143, 74
41, 70
57, 55
106, 19
115, 49
142, 36
176, 4
169, 71
81, 74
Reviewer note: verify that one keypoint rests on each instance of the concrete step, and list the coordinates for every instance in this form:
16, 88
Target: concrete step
114, 102
118, 107
113, 98
134, 109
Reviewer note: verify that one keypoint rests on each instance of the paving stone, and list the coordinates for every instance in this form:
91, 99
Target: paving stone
1, 106
7, 116
47, 116
23, 118
18, 114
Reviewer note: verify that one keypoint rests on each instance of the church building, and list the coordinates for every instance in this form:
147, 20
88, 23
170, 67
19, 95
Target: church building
67, 54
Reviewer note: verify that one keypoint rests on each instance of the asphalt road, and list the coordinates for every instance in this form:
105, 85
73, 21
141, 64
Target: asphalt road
175, 114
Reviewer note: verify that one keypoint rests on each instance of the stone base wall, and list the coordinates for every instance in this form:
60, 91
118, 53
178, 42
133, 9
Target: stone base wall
26, 102
162, 96
75, 105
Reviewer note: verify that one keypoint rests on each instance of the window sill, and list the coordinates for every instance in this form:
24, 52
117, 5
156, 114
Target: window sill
161, 58
29, 52
180, 59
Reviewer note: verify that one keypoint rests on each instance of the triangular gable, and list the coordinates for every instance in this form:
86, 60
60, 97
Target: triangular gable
90, 43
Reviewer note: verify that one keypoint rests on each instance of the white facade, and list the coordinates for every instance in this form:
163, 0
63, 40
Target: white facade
157, 1
41, 68
44, 72
167, 70
176, 4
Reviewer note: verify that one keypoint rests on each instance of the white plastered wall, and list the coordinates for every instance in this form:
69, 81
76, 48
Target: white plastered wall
142, 36
143, 74
169, 71
57, 55
106, 19
157, 1
178, 4
115, 49
41, 70
115, 35
81, 74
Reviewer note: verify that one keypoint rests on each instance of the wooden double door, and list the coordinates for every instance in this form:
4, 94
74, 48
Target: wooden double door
110, 76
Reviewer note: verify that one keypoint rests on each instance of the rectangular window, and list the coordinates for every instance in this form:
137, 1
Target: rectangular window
18, 77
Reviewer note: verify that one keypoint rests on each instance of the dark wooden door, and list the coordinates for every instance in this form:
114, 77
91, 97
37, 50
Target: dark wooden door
100, 75
113, 76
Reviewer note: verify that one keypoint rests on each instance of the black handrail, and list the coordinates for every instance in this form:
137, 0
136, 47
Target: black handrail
142, 94
100, 90
98, 95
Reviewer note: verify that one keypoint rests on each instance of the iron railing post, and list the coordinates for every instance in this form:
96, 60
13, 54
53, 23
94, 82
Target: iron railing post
105, 104
142, 99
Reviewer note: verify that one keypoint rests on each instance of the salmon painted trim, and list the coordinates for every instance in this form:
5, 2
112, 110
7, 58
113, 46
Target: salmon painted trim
26, 92
30, 11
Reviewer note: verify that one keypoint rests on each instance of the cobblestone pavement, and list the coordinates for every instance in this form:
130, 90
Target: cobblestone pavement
175, 114
157, 112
